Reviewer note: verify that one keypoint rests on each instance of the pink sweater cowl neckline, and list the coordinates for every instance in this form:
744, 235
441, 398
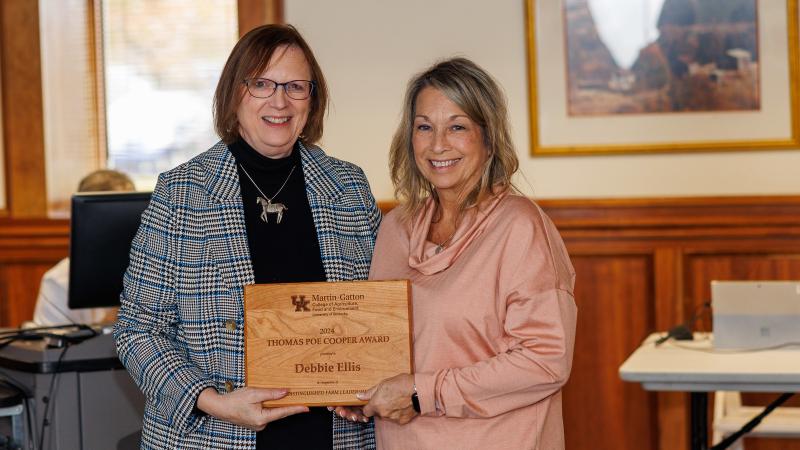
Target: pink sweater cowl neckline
422, 252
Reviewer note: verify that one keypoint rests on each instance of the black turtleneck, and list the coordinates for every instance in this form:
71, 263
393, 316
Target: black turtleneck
285, 252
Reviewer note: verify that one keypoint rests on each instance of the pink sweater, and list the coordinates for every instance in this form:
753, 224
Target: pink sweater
494, 327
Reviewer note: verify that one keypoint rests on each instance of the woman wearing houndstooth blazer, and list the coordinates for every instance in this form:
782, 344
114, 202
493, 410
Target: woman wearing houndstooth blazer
264, 205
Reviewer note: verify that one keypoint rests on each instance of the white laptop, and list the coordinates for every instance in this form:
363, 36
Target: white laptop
755, 314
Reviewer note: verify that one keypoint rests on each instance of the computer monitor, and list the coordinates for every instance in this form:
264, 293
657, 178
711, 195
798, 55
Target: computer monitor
102, 228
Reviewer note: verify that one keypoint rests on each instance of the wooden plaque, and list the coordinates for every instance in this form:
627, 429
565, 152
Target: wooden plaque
326, 341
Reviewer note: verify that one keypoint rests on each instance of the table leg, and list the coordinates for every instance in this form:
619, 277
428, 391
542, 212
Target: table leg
699, 419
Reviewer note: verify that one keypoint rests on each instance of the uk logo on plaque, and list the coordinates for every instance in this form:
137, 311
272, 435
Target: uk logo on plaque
347, 337
300, 303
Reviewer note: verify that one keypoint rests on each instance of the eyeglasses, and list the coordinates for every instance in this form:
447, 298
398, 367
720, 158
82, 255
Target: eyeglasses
265, 88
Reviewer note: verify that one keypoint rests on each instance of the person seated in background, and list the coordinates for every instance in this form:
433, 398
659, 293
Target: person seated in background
51, 304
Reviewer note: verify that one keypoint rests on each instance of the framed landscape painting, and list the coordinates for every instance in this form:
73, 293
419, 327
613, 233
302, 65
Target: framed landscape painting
609, 76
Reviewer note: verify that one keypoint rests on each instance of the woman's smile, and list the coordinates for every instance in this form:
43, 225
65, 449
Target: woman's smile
442, 165
273, 120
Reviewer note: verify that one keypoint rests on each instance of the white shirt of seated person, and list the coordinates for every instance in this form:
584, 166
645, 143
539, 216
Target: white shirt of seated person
51, 305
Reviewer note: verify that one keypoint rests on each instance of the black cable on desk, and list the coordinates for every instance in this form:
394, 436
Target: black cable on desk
18, 331
683, 331
6, 340
33, 334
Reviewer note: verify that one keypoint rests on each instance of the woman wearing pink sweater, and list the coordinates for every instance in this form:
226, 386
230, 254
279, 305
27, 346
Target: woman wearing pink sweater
492, 284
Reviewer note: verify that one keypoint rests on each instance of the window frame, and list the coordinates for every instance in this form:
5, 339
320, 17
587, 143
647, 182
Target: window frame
22, 147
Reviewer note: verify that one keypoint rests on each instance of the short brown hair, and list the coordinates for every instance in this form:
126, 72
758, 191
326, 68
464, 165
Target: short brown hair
106, 180
474, 91
249, 58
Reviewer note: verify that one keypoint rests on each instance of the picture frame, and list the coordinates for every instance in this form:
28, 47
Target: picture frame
556, 129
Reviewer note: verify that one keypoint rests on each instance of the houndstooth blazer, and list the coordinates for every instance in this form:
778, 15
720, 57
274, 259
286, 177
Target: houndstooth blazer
183, 290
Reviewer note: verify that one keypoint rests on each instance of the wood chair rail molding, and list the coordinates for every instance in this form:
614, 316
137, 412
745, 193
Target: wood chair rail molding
33, 240
662, 213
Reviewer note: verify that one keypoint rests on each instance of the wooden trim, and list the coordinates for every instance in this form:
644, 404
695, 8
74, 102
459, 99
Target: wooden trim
3, 164
674, 212
666, 213
22, 108
254, 13
96, 52
32, 240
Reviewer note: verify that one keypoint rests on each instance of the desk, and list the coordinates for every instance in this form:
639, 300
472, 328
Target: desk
694, 367
94, 406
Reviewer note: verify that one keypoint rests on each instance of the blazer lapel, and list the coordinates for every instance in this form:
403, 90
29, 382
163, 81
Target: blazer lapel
320, 175
228, 236
323, 188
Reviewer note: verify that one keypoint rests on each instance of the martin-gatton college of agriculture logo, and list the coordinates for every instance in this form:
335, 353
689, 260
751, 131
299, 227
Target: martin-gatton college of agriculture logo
300, 303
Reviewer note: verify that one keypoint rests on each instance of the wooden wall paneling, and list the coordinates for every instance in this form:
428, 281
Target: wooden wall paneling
28, 248
672, 229
615, 312
670, 308
22, 108
19, 286
760, 261
670, 302
642, 266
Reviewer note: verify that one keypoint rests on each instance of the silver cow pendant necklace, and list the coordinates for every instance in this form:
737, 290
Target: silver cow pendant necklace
267, 207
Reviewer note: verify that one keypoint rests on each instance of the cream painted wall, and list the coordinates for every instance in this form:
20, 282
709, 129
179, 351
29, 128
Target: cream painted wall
370, 48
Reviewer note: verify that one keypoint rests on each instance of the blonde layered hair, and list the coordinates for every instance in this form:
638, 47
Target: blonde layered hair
474, 91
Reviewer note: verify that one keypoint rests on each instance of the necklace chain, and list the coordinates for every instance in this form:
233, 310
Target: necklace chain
440, 247
269, 199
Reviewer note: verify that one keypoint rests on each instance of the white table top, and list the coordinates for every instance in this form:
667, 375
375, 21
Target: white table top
696, 366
